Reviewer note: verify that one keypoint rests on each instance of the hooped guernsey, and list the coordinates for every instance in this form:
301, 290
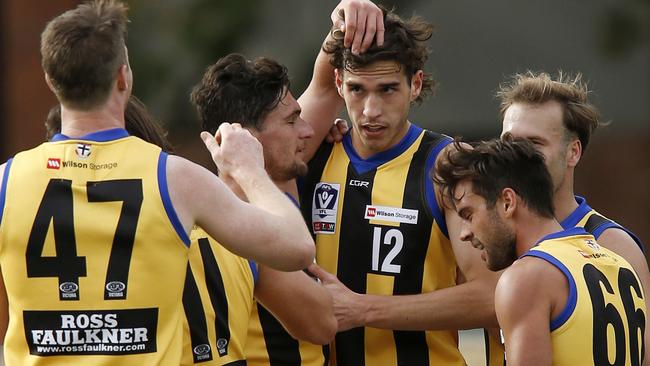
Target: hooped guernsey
379, 228
92, 253
604, 318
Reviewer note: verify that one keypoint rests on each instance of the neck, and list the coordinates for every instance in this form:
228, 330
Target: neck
288, 186
76, 123
534, 229
564, 200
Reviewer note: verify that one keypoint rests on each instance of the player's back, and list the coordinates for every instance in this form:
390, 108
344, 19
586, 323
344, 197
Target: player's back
92, 253
604, 317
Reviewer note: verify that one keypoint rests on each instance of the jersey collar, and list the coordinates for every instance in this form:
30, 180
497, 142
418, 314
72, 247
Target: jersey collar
99, 136
577, 214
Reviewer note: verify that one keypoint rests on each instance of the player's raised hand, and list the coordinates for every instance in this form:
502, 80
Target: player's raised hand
361, 21
338, 130
235, 151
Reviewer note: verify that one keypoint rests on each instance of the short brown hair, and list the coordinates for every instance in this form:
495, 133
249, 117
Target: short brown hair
82, 50
404, 43
236, 89
580, 117
494, 165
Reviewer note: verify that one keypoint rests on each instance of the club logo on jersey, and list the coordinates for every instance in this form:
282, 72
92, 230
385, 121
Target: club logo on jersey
68, 291
53, 163
391, 214
83, 150
222, 346
592, 244
325, 207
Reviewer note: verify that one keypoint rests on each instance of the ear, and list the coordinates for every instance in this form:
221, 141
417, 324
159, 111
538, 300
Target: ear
416, 84
338, 76
48, 81
508, 202
574, 152
122, 78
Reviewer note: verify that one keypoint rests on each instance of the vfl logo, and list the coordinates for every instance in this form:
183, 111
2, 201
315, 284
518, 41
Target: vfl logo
83, 150
325, 199
53, 163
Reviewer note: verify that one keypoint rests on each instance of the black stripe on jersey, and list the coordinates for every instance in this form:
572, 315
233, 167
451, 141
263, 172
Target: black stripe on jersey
217, 291
355, 246
196, 319
411, 346
236, 363
316, 167
283, 350
486, 339
326, 355
593, 222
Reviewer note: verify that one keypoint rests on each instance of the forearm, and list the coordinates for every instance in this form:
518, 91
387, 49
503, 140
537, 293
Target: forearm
463, 306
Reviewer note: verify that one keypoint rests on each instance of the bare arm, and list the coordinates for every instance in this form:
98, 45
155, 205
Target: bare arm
321, 102
524, 312
622, 244
269, 229
4, 306
301, 304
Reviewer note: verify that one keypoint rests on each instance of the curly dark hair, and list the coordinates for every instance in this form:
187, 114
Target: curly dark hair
404, 43
494, 165
235, 89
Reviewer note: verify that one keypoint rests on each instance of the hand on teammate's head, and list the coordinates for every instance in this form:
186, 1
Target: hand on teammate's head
362, 22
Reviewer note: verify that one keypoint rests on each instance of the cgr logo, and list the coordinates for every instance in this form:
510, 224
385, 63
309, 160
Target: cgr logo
53, 163
359, 183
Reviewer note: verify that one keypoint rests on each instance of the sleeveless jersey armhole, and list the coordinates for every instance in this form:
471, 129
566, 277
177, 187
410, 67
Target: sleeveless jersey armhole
3, 188
166, 199
572, 300
429, 191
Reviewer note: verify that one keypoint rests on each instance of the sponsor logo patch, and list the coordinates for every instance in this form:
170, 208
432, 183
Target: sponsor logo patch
222, 346
359, 183
83, 150
91, 332
53, 163
325, 207
202, 352
391, 214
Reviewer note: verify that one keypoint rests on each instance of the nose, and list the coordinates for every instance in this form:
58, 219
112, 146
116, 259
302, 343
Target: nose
304, 129
372, 107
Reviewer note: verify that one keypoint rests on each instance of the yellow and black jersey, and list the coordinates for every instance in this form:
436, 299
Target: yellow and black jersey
92, 254
593, 222
603, 321
269, 344
378, 227
218, 299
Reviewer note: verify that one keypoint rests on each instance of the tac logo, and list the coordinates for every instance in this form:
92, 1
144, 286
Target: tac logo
371, 212
201, 349
68, 287
222, 346
83, 150
359, 183
53, 163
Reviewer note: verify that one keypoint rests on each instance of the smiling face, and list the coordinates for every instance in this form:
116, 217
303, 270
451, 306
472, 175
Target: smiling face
378, 98
484, 228
542, 124
283, 136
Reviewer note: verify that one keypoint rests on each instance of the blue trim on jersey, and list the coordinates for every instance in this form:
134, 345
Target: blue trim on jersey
429, 190
167, 201
99, 136
254, 271
365, 165
564, 233
3, 188
577, 214
572, 300
292, 199
583, 209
